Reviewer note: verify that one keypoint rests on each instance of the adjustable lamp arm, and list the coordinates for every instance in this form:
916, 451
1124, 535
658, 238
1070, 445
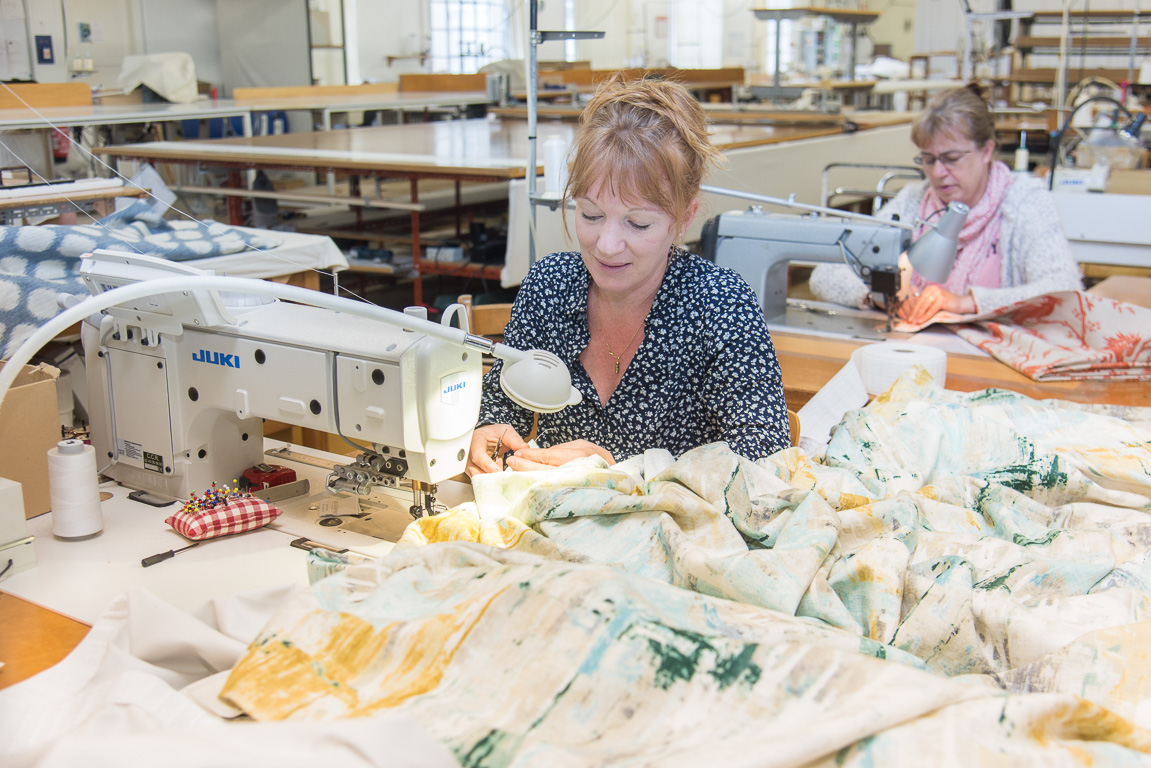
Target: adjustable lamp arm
1131, 130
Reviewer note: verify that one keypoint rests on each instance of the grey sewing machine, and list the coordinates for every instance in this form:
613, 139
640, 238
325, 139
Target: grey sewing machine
760, 247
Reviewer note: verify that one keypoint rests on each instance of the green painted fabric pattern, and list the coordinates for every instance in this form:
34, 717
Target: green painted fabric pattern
962, 578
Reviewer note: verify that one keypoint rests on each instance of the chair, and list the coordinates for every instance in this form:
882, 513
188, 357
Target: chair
880, 194
793, 425
486, 319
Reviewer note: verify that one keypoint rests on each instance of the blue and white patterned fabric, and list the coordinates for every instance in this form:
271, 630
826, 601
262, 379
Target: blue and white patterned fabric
705, 372
39, 263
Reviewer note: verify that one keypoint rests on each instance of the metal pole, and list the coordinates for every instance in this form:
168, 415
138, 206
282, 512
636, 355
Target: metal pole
532, 81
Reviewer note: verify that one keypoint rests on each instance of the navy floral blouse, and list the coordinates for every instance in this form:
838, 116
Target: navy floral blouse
705, 372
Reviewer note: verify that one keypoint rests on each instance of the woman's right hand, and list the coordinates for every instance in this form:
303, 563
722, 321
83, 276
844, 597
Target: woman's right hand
498, 439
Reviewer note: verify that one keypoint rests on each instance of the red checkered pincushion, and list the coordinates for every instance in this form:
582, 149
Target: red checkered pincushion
221, 512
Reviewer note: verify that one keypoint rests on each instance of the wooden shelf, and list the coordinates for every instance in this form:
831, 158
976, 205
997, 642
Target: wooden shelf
842, 15
1079, 42
1117, 16
1091, 43
1047, 75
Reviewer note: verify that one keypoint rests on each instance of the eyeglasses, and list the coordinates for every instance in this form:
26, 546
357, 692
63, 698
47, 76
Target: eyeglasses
949, 159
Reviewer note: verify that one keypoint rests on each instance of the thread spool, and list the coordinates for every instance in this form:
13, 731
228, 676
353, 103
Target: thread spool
74, 490
555, 165
1022, 155
1022, 161
881, 364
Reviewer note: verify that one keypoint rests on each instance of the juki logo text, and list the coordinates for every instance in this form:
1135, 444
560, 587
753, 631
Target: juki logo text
215, 358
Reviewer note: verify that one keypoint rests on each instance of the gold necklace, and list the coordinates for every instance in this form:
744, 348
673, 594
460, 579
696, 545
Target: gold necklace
626, 347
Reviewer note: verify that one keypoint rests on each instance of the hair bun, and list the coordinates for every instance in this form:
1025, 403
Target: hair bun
979, 89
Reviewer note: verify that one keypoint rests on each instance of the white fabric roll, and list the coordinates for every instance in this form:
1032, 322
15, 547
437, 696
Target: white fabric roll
881, 364
555, 165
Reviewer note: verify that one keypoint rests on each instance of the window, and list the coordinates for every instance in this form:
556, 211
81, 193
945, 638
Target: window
786, 47
697, 34
467, 34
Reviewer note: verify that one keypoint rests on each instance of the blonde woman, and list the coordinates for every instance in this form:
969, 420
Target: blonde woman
668, 350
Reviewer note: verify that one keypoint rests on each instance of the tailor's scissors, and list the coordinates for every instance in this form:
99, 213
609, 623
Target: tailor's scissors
496, 457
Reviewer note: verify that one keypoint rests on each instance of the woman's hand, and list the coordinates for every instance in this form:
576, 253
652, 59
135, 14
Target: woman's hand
530, 459
497, 439
918, 309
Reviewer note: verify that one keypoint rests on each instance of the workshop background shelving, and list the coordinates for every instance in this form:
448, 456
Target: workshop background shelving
1108, 44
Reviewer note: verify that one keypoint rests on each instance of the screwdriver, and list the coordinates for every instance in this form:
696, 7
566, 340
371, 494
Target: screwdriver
165, 555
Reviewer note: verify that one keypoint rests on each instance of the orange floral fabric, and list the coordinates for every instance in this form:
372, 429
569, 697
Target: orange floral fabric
1065, 336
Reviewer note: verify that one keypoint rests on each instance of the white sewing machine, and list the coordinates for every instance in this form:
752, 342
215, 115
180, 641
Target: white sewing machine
760, 246
181, 383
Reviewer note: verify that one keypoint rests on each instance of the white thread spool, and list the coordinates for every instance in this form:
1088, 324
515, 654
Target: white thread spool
73, 488
1022, 156
555, 165
1022, 161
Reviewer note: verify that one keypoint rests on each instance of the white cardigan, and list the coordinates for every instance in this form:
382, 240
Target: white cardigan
1036, 258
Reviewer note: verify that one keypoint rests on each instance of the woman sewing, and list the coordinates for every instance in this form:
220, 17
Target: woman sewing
1011, 247
668, 350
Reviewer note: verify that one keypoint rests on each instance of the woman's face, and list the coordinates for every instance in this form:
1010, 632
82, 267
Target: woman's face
957, 168
625, 244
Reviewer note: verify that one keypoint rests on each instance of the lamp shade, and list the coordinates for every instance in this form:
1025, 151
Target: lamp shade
933, 254
538, 381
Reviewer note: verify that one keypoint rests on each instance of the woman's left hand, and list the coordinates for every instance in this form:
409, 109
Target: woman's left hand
918, 309
530, 459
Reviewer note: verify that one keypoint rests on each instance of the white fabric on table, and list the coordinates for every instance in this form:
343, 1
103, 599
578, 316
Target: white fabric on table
119, 700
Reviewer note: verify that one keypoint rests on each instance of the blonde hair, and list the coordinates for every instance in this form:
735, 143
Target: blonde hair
961, 111
648, 139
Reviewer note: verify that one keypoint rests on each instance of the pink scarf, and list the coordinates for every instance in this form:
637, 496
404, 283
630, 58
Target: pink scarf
978, 259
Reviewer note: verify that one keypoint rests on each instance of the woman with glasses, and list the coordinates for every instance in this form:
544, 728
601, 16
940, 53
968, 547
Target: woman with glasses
1012, 245
668, 350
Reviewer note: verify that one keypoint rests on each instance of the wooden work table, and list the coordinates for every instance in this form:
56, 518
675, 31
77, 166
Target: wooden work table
480, 149
808, 362
34, 638
49, 202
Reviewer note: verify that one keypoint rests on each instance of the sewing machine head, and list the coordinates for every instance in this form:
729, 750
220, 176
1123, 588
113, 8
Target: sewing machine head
180, 387
761, 247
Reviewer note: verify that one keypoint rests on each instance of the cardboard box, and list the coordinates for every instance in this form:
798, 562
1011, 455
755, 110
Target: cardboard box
29, 428
1129, 182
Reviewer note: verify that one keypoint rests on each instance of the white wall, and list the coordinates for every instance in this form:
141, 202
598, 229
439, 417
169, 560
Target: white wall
189, 26
390, 29
114, 34
939, 24
121, 28
46, 19
896, 27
